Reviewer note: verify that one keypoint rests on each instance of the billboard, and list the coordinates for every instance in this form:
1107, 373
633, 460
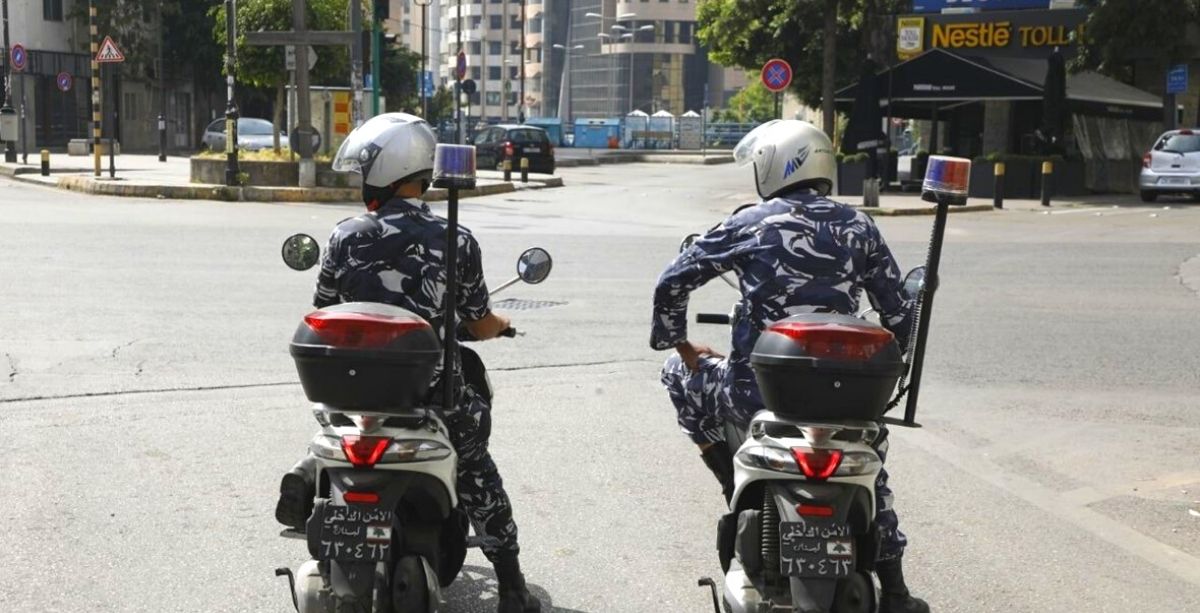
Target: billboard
937, 6
1023, 34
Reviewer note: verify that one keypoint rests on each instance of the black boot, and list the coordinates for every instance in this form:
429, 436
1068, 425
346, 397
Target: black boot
719, 460
896, 598
514, 594
296, 492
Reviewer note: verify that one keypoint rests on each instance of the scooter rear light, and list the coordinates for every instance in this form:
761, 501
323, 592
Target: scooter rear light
360, 330
361, 497
1146, 160
364, 451
769, 458
814, 510
834, 340
817, 464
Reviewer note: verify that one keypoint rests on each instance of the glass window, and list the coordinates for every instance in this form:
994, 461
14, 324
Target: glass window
474, 47
476, 21
668, 31
685, 32
407, 26
494, 73
514, 72
1179, 142
493, 98
495, 21
476, 72
514, 22
256, 127
52, 10
494, 47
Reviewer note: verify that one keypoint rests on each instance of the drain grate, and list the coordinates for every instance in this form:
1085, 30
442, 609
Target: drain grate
520, 304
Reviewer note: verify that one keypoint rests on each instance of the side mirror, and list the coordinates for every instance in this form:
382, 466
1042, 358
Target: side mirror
534, 265
301, 252
687, 242
914, 282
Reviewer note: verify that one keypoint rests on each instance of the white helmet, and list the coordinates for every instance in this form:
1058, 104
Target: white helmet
386, 149
788, 154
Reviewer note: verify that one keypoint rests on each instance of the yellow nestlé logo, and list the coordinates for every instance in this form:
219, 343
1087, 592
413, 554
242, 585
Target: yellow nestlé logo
1000, 34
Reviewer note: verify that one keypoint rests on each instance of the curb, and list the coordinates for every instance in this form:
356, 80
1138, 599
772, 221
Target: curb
886, 212
644, 158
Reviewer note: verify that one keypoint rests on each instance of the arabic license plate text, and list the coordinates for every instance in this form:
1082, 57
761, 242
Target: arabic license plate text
355, 534
816, 547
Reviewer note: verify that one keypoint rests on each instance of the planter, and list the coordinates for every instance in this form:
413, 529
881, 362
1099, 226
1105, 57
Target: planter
267, 174
850, 178
1069, 179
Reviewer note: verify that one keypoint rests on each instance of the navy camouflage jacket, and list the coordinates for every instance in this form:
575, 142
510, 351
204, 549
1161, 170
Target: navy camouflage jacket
800, 253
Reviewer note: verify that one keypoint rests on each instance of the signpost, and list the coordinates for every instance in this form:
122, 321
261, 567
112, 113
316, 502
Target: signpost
109, 53
65, 81
1177, 83
20, 59
777, 76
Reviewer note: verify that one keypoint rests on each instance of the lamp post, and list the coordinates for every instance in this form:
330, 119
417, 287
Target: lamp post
524, 32
162, 92
424, 4
632, 34
6, 111
564, 85
231, 110
611, 41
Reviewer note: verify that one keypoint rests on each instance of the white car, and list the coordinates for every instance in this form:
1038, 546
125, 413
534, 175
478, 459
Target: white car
253, 135
1172, 166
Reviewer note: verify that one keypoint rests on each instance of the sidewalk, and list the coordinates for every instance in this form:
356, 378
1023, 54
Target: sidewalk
567, 157
143, 176
902, 204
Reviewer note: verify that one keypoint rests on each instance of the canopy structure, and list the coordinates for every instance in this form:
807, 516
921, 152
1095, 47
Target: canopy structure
944, 80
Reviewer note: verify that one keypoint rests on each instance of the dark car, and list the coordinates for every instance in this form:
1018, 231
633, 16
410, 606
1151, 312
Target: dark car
529, 142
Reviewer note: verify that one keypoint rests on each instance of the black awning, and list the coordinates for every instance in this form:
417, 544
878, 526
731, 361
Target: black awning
948, 79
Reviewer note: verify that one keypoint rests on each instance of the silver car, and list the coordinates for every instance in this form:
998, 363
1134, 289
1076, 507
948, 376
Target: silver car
1172, 166
253, 135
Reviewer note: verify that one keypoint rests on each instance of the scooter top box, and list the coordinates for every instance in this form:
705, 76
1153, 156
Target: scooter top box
827, 367
366, 356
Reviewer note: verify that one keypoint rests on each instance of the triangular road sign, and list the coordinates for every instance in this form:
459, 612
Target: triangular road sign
109, 52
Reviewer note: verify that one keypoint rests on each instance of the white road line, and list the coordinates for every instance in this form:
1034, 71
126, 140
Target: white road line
1166, 557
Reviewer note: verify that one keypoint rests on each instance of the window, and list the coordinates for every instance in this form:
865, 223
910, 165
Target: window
476, 72
495, 21
476, 21
514, 22
493, 73
494, 47
474, 47
52, 10
493, 98
473, 99
514, 72
685, 32
129, 110
407, 26
668, 31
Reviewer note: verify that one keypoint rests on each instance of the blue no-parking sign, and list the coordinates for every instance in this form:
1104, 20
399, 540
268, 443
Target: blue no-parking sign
1177, 79
19, 58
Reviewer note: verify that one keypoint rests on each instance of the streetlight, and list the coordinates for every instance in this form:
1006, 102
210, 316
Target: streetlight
564, 84
424, 4
632, 34
8, 115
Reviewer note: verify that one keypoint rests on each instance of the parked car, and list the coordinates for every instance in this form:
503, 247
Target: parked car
254, 134
1172, 166
520, 141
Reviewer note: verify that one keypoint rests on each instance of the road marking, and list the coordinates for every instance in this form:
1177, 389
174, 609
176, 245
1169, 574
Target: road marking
1160, 554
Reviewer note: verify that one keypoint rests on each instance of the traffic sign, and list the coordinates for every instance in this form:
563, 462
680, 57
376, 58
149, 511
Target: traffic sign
777, 75
427, 83
460, 66
19, 58
468, 86
109, 53
1177, 79
64, 80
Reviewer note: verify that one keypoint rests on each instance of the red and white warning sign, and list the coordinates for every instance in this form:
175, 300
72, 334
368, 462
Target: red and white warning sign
109, 52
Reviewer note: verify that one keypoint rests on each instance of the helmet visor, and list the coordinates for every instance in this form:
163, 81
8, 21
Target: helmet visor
743, 153
356, 153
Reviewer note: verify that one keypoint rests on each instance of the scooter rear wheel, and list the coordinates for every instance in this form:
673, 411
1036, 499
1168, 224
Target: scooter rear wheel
410, 586
855, 594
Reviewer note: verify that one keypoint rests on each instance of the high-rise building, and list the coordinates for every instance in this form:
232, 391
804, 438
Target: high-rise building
410, 21
490, 32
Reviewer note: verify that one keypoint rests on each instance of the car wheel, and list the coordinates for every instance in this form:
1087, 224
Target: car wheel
1148, 196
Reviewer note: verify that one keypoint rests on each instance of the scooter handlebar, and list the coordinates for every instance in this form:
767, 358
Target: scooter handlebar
712, 318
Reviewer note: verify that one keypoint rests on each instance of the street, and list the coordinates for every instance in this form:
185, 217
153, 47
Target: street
148, 404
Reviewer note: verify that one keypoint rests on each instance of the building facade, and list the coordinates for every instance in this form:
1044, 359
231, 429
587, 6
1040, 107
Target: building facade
490, 34
416, 27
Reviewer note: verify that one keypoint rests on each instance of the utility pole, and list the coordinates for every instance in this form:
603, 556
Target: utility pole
162, 91
521, 106
377, 15
231, 110
458, 118
10, 148
424, 4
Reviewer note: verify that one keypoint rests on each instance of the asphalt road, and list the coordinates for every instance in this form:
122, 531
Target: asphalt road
148, 404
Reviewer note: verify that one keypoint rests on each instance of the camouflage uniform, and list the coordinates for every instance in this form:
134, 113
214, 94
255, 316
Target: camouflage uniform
796, 254
395, 255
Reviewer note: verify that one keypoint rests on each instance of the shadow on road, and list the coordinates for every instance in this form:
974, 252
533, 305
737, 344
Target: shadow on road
475, 592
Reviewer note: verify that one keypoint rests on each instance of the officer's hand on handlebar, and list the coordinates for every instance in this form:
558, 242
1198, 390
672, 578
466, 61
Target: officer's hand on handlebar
691, 353
491, 326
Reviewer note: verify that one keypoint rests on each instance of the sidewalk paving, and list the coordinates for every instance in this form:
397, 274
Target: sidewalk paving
143, 176
901, 204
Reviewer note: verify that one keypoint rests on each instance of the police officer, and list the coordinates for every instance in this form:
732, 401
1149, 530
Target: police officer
395, 254
794, 252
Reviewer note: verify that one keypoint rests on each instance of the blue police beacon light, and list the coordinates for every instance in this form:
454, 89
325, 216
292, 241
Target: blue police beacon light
947, 179
454, 166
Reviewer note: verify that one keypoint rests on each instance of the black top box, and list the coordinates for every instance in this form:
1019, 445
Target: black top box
827, 367
366, 356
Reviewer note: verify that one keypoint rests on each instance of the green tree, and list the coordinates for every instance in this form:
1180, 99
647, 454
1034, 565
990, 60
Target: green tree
754, 104
1118, 32
261, 66
398, 77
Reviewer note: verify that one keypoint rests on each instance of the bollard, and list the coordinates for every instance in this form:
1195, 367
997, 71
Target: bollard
524, 170
507, 169
45, 162
998, 186
1047, 181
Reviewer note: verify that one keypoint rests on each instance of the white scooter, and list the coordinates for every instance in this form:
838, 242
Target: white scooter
386, 533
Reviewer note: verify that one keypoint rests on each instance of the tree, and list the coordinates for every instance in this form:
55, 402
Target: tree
263, 66
1117, 32
747, 33
754, 104
398, 77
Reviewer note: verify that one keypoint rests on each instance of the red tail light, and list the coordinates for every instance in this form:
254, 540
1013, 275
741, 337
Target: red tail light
361, 497
835, 341
364, 451
813, 510
360, 330
817, 464
1146, 160
508, 149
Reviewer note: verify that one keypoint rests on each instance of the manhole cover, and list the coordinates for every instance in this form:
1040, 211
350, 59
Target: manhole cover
520, 304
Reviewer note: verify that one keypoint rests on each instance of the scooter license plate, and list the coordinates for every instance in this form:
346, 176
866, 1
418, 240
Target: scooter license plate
816, 548
355, 533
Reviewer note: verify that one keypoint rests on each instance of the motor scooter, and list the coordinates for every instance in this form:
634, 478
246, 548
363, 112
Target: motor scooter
386, 533
800, 534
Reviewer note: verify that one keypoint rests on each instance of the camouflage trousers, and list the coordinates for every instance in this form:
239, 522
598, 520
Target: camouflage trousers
704, 401
480, 488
